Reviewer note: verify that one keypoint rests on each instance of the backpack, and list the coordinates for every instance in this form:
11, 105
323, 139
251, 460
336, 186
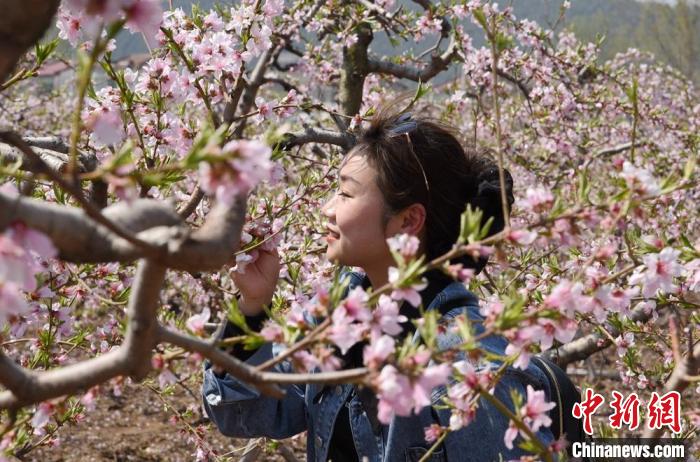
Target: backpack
565, 394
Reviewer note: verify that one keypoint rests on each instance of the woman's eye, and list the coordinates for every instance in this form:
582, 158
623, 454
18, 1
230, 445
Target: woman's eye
342, 194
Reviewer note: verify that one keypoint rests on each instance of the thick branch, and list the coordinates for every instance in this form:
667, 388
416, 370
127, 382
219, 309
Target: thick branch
205, 249
584, 347
438, 63
132, 358
317, 135
80, 239
142, 333
41, 386
266, 382
75, 190
22, 23
251, 90
219, 357
355, 69
56, 160
53, 143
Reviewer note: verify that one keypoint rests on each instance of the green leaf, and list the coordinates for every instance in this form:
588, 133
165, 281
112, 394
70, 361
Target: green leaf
44, 50
689, 168
503, 42
253, 342
632, 93
59, 194
123, 157
236, 317
480, 17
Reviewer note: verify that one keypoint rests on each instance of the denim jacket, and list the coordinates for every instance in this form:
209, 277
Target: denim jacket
241, 411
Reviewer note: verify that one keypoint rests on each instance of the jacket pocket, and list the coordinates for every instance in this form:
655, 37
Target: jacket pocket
414, 454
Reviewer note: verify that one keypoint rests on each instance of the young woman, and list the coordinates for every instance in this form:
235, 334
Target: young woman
405, 175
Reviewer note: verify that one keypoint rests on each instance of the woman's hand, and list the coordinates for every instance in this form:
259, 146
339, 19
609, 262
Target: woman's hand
258, 281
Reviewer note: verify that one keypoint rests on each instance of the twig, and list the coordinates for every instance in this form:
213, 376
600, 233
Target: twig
92, 211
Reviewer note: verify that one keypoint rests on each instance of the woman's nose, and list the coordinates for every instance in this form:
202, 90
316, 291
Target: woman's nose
328, 208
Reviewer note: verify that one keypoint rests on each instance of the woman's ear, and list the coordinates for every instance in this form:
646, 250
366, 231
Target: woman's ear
411, 220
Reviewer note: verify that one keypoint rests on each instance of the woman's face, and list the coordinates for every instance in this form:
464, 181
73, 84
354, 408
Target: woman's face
356, 232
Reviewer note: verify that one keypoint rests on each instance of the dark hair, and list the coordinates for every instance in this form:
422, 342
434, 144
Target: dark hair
419, 160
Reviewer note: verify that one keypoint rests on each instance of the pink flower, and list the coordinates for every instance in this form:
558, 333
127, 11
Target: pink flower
535, 411
69, 26
377, 351
568, 297
534, 414
510, 435
144, 16
426, 25
432, 376
409, 293
639, 180
395, 395
660, 269
642, 382
15, 266
106, 124
21, 248
623, 342
166, 378
88, 399
404, 245
273, 8
345, 334
328, 361
107, 9
196, 322
12, 303
523, 355
522, 237
249, 165
537, 200
42, 415
34, 241
386, 317
472, 379
264, 109
432, 433
458, 272
563, 331
353, 307
272, 332
399, 395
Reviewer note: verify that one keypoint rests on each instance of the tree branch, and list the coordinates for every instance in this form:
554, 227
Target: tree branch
77, 193
132, 358
56, 160
318, 135
354, 70
191, 205
586, 346
251, 90
438, 63
266, 382
205, 249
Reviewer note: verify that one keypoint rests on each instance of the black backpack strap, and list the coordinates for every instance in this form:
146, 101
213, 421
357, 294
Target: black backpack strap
565, 394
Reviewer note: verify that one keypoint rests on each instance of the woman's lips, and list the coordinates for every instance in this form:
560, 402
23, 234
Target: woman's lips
331, 235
